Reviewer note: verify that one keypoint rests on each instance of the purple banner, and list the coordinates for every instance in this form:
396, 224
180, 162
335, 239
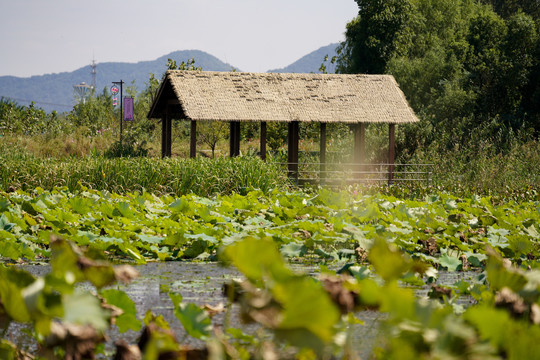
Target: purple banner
128, 109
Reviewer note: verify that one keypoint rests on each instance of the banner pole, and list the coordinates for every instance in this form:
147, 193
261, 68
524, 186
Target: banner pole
121, 109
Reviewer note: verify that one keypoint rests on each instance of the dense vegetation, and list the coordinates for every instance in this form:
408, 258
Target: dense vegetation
470, 73
202, 176
440, 229
33, 142
314, 318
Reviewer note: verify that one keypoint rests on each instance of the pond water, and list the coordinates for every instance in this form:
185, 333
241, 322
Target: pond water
201, 283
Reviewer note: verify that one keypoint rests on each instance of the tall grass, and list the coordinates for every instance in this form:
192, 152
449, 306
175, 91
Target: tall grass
201, 176
465, 171
483, 170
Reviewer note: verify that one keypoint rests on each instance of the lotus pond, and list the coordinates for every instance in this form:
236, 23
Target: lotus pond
321, 274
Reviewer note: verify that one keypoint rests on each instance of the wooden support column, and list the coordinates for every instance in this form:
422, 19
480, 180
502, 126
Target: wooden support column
169, 133
232, 141
163, 135
193, 140
234, 144
166, 130
322, 151
293, 149
263, 141
359, 147
237, 144
391, 152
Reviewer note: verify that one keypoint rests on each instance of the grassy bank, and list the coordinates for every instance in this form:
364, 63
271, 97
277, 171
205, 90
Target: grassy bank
483, 170
461, 171
201, 176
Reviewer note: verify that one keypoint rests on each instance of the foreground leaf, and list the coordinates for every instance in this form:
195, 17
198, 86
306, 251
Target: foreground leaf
195, 320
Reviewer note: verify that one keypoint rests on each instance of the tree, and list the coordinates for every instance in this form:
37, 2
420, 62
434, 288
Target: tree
463, 67
96, 113
507, 8
372, 37
189, 65
26, 120
211, 132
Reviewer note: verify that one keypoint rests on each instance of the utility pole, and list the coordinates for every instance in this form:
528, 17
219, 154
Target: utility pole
121, 83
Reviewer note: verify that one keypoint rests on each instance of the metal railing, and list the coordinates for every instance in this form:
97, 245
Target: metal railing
350, 173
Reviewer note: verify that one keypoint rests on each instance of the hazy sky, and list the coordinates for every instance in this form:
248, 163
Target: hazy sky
50, 36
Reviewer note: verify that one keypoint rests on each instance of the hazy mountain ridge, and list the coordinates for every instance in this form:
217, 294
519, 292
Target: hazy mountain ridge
312, 61
55, 91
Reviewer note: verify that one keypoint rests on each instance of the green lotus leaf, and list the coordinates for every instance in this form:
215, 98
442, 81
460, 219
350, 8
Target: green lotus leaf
450, 262
195, 320
5, 224
306, 306
128, 319
387, 261
293, 249
83, 308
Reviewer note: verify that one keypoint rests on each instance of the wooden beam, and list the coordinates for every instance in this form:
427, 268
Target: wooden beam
293, 149
322, 152
193, 140
263, 141
391, 152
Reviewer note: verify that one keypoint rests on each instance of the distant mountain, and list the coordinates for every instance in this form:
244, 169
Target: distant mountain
55, 91
311, 63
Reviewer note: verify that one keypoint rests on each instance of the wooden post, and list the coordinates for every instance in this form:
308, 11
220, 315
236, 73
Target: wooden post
193, 140
166, 127
234, 143
164, 135
293, 149
391, 152
168, 148
263, 141
322, 152
359, 148
237, 137
232, 134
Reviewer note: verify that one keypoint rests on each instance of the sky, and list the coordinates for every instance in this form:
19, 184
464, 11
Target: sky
51, 36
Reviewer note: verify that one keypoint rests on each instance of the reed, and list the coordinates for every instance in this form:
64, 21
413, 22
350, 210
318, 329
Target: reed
201, 176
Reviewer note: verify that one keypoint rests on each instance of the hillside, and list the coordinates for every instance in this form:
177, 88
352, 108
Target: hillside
55, 91
311, 62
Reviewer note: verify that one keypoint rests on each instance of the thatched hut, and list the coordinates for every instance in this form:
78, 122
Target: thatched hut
235, 97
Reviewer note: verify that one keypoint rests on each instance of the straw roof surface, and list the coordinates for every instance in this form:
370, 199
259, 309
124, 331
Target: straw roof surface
238, 96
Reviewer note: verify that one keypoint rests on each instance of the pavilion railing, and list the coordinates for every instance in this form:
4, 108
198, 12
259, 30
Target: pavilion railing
350, 173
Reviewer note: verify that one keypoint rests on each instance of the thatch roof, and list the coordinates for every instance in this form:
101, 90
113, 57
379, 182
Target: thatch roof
237, 96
